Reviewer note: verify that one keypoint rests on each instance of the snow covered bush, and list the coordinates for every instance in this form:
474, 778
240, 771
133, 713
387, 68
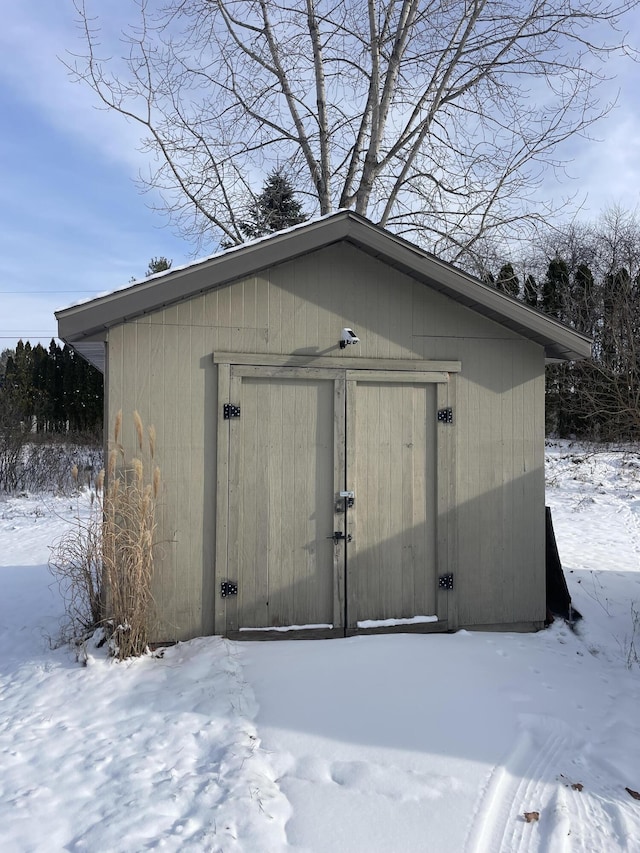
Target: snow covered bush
76, 564
32, 463
60, 466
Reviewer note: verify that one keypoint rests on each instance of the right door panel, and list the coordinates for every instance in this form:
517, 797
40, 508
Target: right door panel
392, 469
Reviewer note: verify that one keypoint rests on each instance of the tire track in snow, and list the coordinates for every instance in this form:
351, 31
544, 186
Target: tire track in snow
606, 818
521, 784
533, 778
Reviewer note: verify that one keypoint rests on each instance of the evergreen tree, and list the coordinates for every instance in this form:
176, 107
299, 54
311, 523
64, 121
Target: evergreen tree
274, 209
4, 356
530, 292
555, 288
19, 372
160, 264
559, 401
39, 393
56, 416
507, 281
10, 368
582, 300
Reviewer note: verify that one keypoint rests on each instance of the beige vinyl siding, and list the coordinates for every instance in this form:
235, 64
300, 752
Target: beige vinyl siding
500, 486
162, 365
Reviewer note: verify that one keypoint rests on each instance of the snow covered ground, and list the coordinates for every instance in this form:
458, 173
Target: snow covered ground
378, 743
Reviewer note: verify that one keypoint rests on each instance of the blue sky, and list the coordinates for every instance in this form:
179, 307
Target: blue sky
73, 223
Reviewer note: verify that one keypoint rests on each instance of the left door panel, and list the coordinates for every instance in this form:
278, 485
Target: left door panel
281, 502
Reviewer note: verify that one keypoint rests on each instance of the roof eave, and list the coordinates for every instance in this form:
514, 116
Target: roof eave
93, 319
141, 298
558, 340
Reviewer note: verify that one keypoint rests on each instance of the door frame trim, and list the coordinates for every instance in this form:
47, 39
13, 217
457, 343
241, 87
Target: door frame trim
336, 362
222, 502
237, 365
446, 535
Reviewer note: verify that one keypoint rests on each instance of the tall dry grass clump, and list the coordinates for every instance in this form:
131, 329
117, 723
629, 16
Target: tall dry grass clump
104, 562
129, 526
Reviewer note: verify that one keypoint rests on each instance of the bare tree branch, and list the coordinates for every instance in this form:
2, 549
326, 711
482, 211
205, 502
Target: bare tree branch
434, 117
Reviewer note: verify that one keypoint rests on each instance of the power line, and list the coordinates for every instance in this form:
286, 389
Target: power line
27, 335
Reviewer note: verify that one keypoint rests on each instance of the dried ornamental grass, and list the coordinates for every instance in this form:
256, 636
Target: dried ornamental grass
104, 564
128, 538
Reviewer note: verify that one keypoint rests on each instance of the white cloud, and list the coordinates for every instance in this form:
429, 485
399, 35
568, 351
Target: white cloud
34, 39
70, 217
605, 171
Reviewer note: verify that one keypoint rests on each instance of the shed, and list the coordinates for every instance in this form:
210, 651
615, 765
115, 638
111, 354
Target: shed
320, 490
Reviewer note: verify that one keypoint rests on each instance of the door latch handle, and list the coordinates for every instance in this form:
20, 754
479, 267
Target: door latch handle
349, 499
338, 535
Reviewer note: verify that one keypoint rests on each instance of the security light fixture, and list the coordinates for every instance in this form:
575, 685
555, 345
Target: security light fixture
347, 337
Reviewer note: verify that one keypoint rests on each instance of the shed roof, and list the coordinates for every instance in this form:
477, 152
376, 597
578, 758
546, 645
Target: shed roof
84, 326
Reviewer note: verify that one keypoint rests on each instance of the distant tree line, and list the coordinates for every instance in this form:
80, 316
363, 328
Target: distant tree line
50, 390
588, 277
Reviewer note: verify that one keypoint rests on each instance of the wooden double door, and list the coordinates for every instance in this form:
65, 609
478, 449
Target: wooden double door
334, 501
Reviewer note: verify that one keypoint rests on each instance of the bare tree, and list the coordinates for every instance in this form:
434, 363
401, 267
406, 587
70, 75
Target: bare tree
436, 118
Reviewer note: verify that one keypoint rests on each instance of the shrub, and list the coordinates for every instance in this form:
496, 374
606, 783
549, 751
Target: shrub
76, 564
44, 462
60, 466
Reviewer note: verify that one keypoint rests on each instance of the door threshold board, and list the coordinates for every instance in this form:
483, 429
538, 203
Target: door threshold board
310, 634
335, 633
419, 628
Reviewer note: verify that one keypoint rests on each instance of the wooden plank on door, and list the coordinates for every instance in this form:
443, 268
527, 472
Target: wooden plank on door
353, 529
411, 490
447, 526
